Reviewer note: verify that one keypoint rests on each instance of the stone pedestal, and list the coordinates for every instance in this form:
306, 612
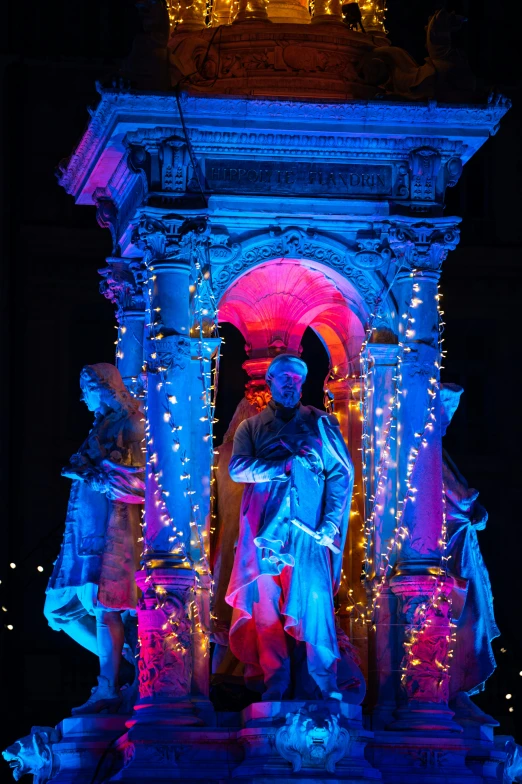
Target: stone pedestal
319, 740
428, 759
84, 747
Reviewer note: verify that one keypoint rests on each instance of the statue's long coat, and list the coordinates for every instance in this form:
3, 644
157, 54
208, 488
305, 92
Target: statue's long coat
260, 457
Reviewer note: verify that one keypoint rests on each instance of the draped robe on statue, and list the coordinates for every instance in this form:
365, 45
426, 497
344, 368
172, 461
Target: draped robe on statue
269, 544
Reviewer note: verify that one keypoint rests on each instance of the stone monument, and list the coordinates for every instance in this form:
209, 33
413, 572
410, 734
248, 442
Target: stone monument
270, 165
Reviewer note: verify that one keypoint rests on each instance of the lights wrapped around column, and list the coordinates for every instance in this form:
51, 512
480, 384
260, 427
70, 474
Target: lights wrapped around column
187, 15
327, 11
420, 581
175, 567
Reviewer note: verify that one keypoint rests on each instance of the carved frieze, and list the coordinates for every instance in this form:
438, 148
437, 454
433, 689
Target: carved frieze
425, 608
294, 243
170, 353
165, 662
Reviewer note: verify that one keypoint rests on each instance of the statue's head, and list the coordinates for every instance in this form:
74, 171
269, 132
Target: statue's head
103, 388
285, 377
33, 754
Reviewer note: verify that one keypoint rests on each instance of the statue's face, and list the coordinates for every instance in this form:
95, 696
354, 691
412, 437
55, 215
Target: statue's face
286, 388
91, 394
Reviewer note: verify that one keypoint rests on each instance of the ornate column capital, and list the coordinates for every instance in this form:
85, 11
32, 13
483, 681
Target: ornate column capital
423, 246
122, 284
171, 239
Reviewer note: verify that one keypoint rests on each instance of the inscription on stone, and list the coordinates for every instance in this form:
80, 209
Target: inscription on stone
242, 176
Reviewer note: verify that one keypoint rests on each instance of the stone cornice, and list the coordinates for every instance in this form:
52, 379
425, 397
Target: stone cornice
376, 119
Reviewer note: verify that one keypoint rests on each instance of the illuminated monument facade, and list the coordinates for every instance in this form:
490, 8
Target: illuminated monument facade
278, 168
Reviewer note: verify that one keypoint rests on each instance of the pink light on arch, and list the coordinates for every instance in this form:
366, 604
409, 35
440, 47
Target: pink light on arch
274, 303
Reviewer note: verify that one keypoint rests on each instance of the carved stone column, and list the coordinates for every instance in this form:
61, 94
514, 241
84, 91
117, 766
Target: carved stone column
327, 11
381, 505
169, 617
289, 11
252, 11
123, 285
256, 388
221, 12
420, 581
189, 15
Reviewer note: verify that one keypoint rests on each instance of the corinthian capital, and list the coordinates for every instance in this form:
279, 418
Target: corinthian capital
171, 238
424, 245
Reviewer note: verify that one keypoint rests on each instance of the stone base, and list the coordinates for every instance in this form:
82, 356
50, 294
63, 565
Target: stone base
268, 743
422, 758
308, 741
87, 746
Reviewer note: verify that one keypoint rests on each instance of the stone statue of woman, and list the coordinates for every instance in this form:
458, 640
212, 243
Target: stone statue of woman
92, 584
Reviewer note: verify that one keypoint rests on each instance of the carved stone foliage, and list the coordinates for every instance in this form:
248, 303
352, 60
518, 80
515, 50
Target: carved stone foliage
165, 663
423, 245
258, 393
426, 611
169, 353
294, 243
122, 283
257, 57
167, 239
34, 754
312, 738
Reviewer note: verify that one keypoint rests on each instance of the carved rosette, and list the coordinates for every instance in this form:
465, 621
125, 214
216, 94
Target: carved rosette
165, 634
312, 738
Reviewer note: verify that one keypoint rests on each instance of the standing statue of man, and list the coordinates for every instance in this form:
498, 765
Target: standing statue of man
294, 520
93, 583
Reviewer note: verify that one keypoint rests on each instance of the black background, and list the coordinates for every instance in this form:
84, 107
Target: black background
54, 321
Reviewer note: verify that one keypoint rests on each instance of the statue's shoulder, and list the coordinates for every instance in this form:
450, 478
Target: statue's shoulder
317, 413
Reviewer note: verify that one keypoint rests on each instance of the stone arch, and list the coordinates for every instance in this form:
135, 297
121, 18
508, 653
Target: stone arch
355, 271
274, 302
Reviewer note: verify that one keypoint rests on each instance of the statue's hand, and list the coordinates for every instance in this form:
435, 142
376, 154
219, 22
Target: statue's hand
77, 472
125, 484
326, 534
309, 459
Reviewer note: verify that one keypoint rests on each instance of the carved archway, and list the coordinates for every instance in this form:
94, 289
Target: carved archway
357, 269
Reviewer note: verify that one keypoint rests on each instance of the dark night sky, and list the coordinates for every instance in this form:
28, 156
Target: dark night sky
54, 321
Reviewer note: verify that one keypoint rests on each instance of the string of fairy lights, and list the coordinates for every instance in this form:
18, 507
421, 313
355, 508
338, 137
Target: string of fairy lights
377, 573
196, 554
206, 13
